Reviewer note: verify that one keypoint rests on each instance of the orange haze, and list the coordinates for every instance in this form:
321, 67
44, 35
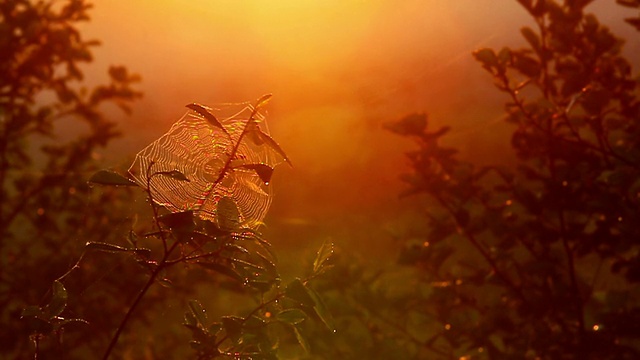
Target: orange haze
337, 69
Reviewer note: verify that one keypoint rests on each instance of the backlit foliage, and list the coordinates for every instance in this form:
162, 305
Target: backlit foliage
536, 258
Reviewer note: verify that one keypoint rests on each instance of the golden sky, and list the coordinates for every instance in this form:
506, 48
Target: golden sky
337, 69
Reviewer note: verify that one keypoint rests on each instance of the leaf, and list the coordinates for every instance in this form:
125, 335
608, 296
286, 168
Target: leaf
233, 327
165, 283
198, 334
227, 214
174, 174
525, 3
504, 55
198, 312
179, 220
301, 340
222, 269
236, 248
142, 252
206, 113
100, 246
36, 321
39, 326
132, 238
635, 22
297, 291
271, 143
269, 265
59, 299
526, 64
246, 263
324, 253
254, 323
531, 37
628, 3
190, 320
72, 321
487, 57
261, 285
214, 328
106, 177
263, 100
410, 125
118, 73
264, 171
32, 311
322, 310
291, 316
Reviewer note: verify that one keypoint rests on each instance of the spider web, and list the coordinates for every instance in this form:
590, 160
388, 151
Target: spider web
198, 149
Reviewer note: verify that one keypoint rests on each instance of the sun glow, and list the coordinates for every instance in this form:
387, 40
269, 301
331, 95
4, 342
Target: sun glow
337, 69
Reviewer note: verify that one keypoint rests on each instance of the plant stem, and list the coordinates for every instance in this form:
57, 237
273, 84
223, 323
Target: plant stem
262, 305
164, 263
161, 266
227, 165
154, 274
483, 252
36, 340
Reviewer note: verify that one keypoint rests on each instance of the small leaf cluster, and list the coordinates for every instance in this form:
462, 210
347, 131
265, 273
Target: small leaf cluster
277, 320
634, 21
226, 246
534, 256
43, 169
521, 261
47, 320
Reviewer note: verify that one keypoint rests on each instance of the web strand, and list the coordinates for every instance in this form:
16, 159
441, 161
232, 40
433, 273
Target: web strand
199, 150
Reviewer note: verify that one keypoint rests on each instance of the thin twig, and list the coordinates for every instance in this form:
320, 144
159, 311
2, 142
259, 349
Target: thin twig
165, 261
476, 244
262, 305
161, 266
227, 165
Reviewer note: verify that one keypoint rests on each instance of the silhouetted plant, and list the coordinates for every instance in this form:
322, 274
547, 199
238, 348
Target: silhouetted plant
211, 225
635, 21
535, 260
45, 211
43, 171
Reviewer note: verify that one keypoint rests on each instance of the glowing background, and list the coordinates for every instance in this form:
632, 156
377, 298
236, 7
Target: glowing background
337, 69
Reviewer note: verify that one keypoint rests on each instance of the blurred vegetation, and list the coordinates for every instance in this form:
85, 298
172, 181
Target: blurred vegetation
78, 269
534, 259
43, 169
